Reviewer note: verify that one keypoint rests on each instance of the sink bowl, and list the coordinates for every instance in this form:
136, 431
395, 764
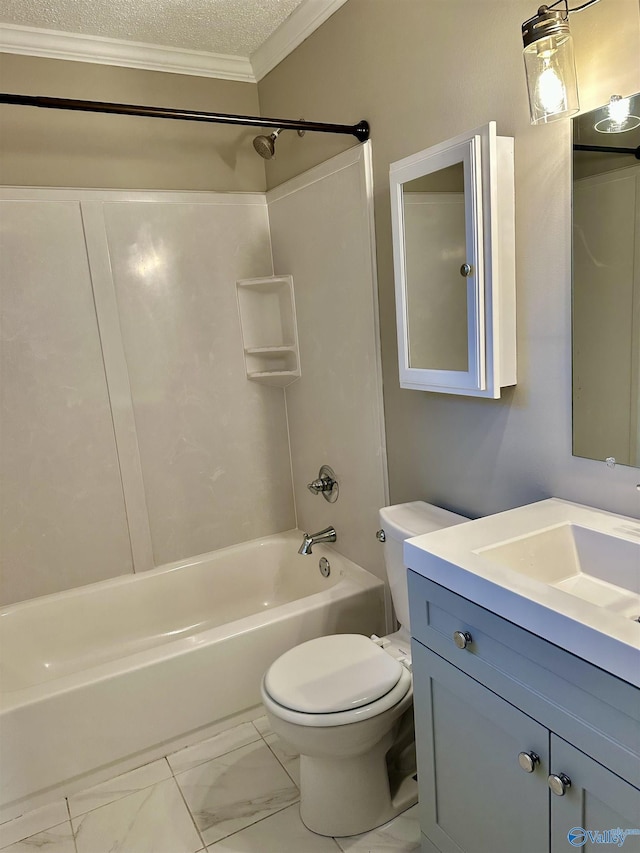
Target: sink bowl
566, 572
596, 567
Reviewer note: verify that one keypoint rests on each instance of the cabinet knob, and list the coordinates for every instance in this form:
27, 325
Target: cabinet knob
559, 783
462, 639
465, 270
528, 761
381, 536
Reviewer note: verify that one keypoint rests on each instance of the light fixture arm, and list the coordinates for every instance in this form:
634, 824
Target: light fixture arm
575, 8
567, 10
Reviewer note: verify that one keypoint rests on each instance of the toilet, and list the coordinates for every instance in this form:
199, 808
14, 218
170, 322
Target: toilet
344, 702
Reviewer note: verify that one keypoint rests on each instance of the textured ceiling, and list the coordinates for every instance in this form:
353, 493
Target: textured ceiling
235, 27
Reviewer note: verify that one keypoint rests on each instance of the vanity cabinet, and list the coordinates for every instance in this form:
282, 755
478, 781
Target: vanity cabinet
498, 712
452, 208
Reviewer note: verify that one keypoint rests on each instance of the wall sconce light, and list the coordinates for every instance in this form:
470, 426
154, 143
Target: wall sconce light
549, 63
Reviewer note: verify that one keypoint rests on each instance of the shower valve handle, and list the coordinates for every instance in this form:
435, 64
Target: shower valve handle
326, 484
322, 484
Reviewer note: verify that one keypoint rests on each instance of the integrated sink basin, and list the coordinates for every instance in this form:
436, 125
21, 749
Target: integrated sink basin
566, 572
597, 567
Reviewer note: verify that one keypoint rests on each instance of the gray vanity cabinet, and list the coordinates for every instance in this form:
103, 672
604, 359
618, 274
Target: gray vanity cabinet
473, 795
498, 712
597, 800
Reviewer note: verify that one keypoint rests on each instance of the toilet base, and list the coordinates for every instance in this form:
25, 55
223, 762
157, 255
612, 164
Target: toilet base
354, 794
353, 776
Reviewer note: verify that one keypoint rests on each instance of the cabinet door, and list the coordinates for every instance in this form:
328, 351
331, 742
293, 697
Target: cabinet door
453, 249
598, 802
474, 797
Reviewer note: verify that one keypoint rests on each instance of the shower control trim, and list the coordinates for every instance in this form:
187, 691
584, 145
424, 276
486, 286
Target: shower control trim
326, 485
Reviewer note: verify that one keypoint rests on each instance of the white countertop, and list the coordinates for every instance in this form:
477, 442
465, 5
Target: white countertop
453, 558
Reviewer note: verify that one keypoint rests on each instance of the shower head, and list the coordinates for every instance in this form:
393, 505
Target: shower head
266, 145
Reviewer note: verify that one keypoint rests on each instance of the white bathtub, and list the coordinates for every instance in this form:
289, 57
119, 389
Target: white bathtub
102, 678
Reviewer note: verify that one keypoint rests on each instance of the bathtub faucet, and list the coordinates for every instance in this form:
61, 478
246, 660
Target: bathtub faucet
311, 539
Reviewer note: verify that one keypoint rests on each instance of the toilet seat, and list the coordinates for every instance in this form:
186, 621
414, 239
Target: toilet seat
333, 681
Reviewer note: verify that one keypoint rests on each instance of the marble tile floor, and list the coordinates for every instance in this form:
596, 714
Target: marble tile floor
235, 792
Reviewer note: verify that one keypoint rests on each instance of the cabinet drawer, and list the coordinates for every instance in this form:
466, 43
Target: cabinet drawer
596, 711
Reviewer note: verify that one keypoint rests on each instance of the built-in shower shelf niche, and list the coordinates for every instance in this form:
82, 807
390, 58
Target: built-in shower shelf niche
269, 331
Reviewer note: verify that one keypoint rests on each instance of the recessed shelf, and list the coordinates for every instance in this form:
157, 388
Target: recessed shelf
275, 377
269, 351
270, 336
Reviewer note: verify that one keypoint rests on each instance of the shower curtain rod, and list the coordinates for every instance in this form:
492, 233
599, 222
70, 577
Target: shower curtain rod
609, 149
360, 130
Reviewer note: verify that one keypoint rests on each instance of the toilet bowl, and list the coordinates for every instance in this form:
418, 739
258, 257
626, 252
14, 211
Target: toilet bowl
344, 702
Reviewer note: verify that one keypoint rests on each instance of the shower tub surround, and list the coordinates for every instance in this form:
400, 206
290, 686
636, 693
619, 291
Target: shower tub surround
131, 435
102, 678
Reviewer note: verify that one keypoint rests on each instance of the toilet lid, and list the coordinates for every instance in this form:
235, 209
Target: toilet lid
335, 673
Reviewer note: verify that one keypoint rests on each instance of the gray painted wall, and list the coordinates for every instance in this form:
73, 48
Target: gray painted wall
422, 72
58, 148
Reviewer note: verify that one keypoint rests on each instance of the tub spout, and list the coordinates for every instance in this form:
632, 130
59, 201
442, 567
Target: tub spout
311, 539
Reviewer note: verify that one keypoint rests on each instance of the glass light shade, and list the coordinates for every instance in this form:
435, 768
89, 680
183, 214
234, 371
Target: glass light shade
618, 118
551, 78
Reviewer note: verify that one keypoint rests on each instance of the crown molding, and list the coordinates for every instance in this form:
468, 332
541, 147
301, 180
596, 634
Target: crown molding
53, 44
304, 20
128, 54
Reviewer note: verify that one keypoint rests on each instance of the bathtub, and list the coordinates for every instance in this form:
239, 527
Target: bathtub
102, 678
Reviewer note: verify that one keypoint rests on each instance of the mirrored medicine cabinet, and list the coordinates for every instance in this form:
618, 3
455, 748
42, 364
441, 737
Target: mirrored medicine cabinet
452, 209
606, 287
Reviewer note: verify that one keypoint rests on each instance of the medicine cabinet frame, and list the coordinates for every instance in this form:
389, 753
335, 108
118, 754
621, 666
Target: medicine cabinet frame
488, 268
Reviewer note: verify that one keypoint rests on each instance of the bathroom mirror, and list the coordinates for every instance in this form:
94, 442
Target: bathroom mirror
436, 293
606, 287
452, 218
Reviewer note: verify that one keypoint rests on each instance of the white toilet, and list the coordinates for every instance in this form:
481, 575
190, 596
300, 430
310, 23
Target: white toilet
344, 703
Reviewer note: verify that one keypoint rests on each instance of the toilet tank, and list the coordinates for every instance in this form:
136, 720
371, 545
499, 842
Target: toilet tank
401, 522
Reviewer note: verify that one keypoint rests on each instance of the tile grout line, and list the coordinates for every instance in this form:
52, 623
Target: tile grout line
281, 764
73, 832
186, 805
207, 760
259, 739
271, 732
170, 778
121, 796
46, 828
255, 823
175, 774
